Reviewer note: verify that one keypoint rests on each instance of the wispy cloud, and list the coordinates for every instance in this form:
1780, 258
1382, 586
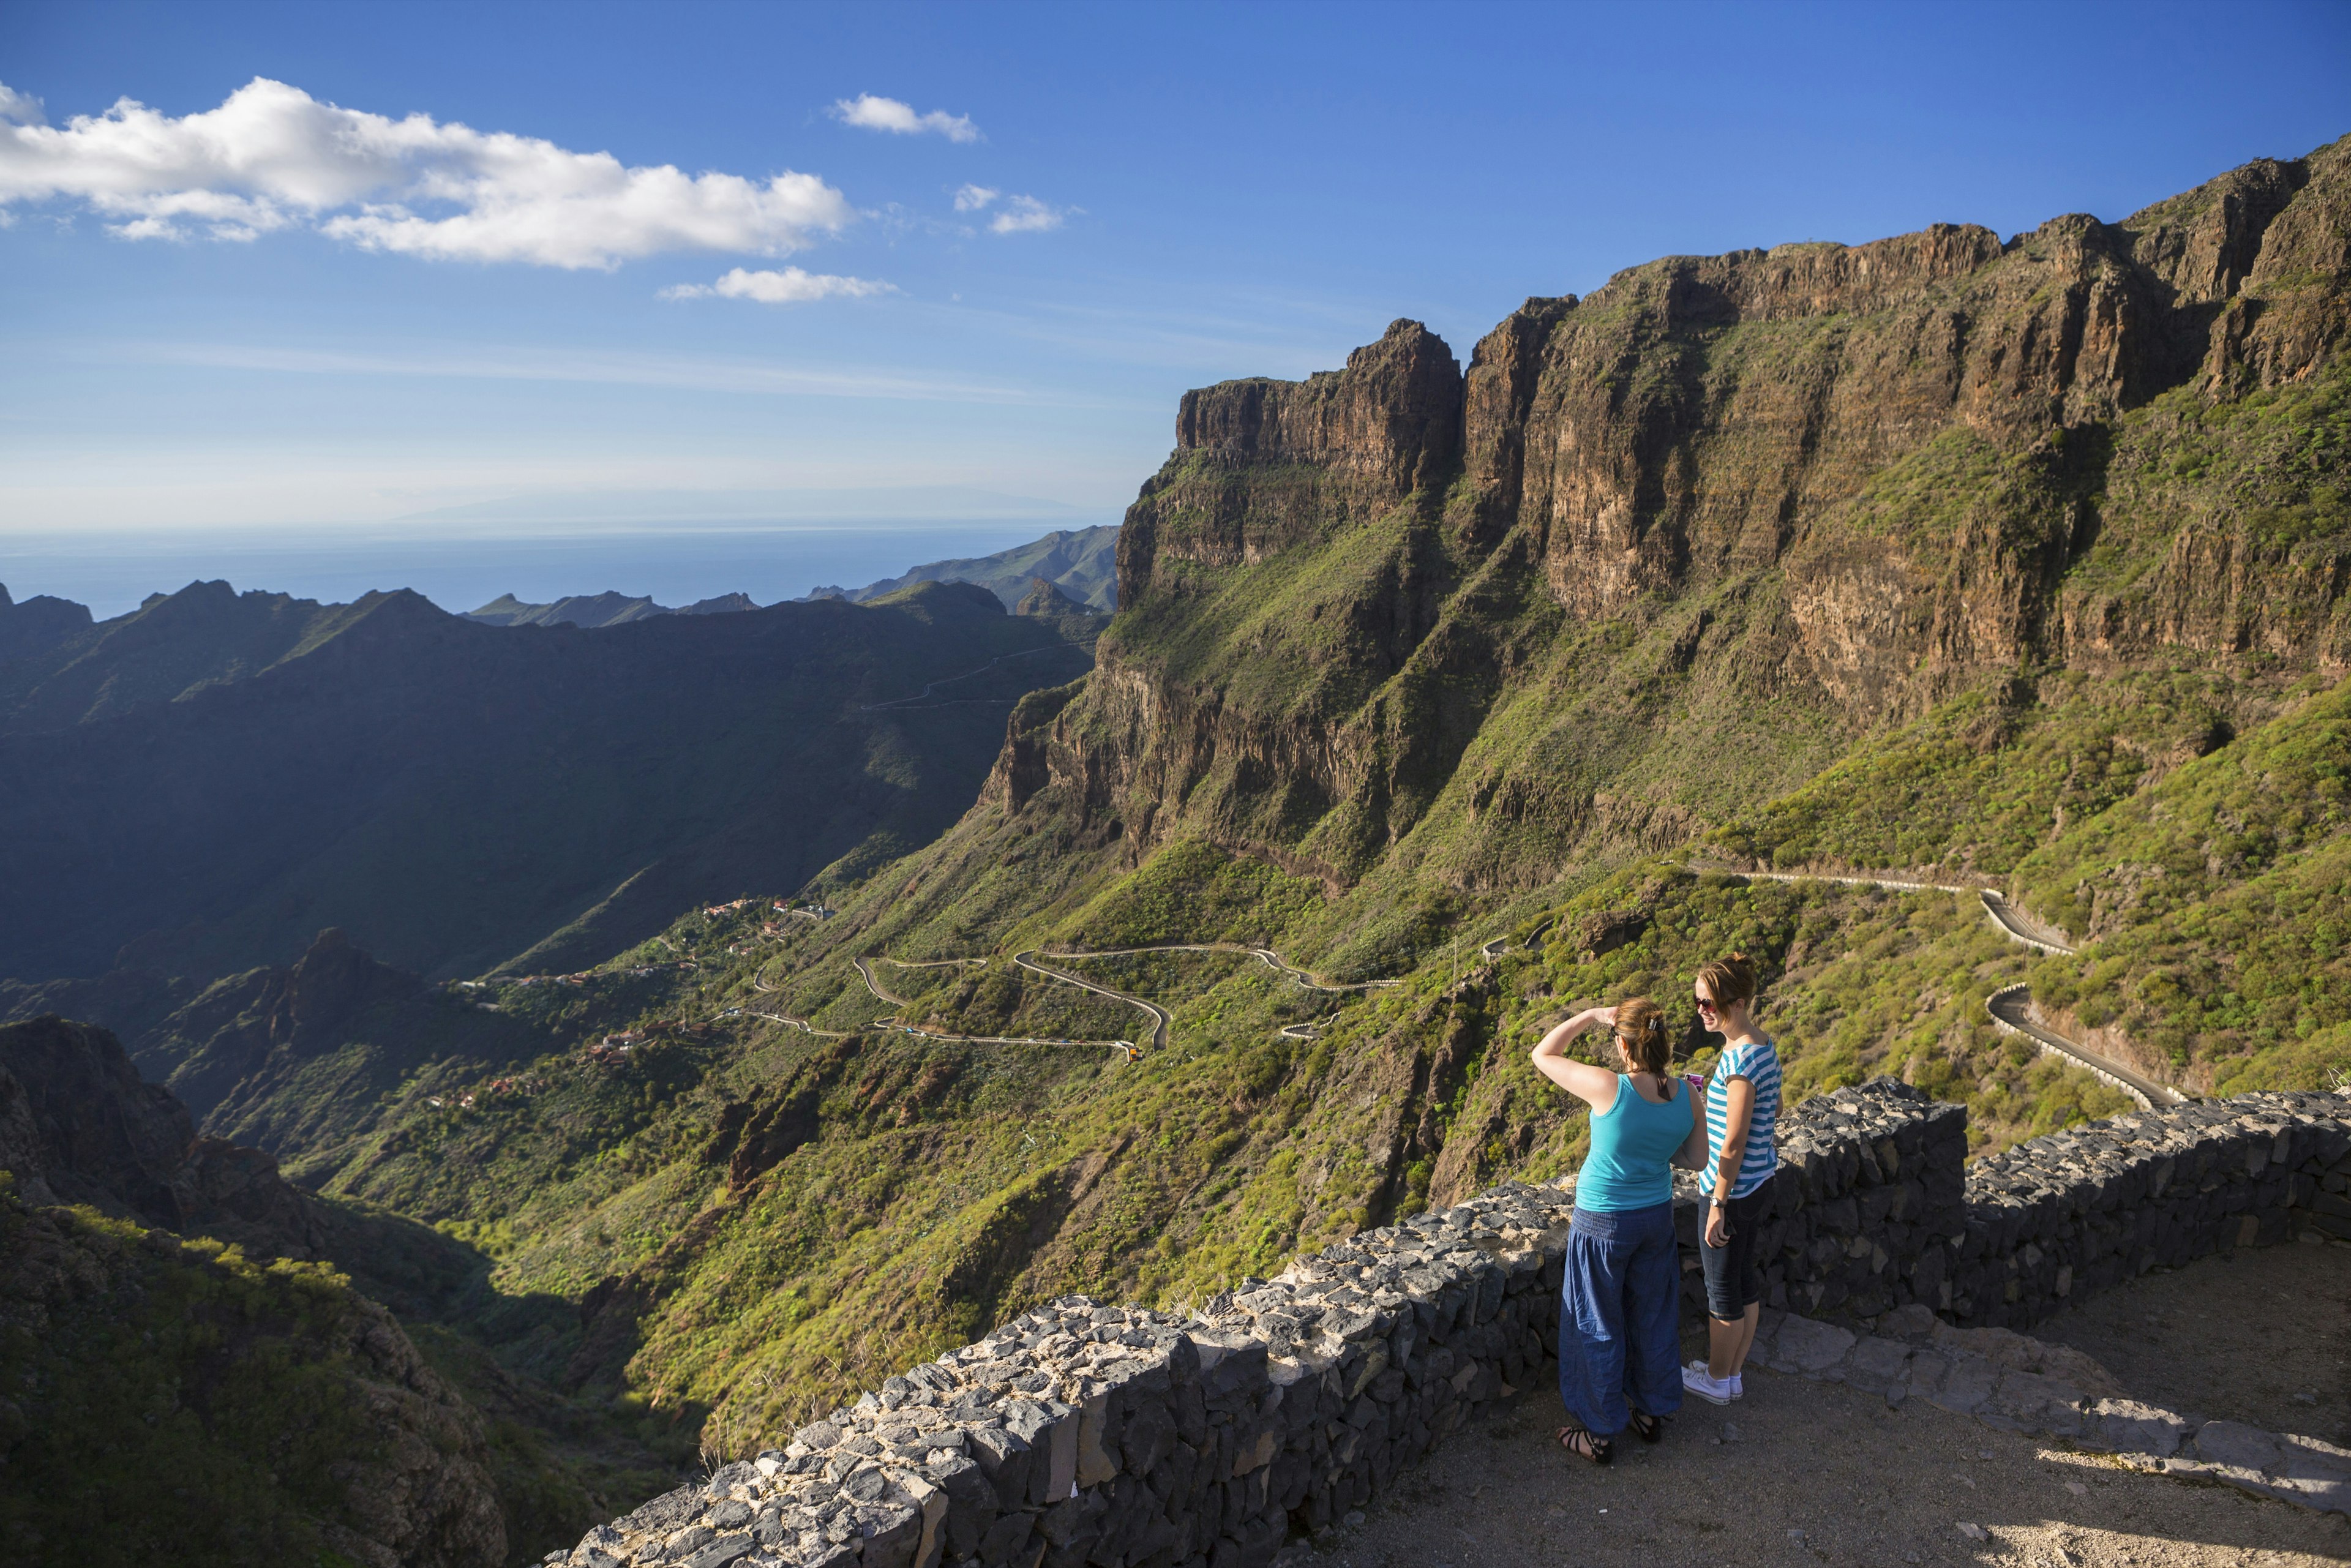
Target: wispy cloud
272, 157
1026, 214
790, 287
1019, 214
870, 112
500, 362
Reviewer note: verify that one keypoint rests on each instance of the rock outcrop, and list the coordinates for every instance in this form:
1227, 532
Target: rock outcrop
79, 1125
1859, 478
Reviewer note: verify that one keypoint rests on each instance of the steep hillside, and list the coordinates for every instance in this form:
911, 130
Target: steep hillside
200, 787
1082, 563
2022, 562
296, 1416
210, 1409
1935, 552
174, 1305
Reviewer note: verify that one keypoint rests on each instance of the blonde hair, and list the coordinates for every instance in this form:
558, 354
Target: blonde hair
1641, 1031
1729, 980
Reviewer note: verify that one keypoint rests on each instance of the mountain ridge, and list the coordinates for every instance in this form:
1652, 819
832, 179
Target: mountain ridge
323, 757
2016, 564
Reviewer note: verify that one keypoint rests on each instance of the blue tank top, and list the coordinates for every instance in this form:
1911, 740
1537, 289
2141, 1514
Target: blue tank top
1633, 1147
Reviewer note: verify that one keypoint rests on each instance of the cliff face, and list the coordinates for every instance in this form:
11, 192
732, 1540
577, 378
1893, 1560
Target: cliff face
78, 1125
1846, 480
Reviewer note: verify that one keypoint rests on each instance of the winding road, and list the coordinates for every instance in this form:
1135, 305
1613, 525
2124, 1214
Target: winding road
1028, 959
1159, 1014
2011, 1006
1128, 1047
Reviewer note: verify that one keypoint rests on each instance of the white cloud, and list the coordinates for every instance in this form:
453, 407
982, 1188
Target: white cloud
872, 113
272, 157
790, 287
1026, 214
19, 109
972, 198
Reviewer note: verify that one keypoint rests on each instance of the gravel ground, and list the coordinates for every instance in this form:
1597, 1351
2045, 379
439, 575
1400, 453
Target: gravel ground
2264, 1337
1802, 1472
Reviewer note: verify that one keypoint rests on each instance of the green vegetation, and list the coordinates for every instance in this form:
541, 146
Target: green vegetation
2078, 639
227, 1399
2217, 909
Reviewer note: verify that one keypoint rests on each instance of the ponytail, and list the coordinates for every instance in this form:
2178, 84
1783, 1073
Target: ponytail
1641, 1031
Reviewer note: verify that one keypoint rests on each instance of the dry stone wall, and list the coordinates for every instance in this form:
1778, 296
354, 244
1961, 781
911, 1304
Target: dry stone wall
2067, 1214
1085, 1433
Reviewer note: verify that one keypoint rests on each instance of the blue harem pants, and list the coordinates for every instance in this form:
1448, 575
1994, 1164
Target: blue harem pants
1620, 1317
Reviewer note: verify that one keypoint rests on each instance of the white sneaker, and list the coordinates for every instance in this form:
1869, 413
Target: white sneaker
1697, 1380
1738, 1385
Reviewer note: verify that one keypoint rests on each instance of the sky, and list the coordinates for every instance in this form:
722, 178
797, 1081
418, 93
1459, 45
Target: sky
410, 285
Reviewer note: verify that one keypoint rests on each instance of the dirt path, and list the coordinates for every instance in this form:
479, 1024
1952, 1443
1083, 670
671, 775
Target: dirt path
1804, 1473
2262, 1336
1159, 1014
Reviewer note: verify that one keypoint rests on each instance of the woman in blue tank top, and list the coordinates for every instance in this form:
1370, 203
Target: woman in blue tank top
1620, 1309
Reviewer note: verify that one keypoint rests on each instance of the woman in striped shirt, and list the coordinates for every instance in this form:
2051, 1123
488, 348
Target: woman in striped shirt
1742, 1113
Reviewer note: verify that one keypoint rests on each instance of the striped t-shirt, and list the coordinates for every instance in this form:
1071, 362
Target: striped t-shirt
1758, 1061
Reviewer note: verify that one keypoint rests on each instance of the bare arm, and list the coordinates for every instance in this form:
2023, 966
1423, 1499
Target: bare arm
1738, 1111
1596, 1086
1692, 1155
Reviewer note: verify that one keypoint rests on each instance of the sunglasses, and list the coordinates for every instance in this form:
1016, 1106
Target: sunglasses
1703, 1006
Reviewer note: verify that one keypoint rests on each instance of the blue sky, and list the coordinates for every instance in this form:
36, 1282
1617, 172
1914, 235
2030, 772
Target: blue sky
1185, 195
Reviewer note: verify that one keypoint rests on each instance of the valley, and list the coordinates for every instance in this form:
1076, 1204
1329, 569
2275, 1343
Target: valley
735, 1010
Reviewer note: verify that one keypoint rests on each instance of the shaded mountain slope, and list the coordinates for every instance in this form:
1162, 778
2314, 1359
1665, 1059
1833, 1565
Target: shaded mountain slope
209, 1409
293, 1414
291, 1059
213, 779
38, 625
172, 1305
1943, 549
2025, 561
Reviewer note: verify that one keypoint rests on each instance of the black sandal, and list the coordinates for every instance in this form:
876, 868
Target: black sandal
1577, 1439
1648, 1429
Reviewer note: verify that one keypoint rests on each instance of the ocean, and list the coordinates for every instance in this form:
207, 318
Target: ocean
113, 573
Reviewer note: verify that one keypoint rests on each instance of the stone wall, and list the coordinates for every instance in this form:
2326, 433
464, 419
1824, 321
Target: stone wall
1090, 1434
2067, 1214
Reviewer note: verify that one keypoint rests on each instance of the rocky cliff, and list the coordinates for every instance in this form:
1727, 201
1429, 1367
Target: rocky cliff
78, 1125
1841, 483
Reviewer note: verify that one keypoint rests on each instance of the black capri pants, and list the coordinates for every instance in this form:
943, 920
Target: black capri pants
1733, 1282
